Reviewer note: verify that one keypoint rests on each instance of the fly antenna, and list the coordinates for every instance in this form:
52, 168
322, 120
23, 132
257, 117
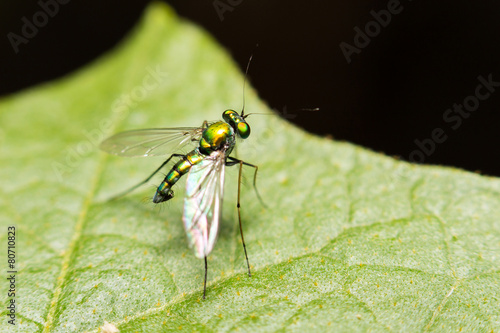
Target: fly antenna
261, 114
245, 80
285, 114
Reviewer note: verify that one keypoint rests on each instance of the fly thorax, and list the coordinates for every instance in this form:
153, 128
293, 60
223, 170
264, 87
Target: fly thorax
217, 136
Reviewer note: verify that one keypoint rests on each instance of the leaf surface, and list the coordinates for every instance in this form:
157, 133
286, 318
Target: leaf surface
351, 241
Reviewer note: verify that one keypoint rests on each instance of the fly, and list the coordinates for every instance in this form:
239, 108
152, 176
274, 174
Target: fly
205, 168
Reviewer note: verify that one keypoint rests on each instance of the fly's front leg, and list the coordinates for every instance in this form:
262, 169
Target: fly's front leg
235, 161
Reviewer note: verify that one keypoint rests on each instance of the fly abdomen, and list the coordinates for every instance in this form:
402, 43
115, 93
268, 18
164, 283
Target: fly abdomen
164, 192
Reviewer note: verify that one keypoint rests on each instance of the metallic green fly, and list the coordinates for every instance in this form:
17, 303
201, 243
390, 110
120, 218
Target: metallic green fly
204, 165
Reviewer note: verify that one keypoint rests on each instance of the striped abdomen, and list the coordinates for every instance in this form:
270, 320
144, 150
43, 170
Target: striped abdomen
164, 191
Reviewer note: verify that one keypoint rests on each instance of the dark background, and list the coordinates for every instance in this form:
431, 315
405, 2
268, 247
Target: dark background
395, 91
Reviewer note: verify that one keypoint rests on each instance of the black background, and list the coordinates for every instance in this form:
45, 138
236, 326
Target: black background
395, 91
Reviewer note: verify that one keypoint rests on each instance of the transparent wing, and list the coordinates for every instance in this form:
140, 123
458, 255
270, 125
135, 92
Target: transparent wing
203, 202
152, 141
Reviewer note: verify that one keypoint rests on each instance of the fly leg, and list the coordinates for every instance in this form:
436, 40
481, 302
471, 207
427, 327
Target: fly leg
205, 282
145, 180
235, 161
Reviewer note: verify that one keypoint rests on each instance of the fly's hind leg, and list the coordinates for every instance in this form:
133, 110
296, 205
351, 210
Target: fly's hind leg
145, 180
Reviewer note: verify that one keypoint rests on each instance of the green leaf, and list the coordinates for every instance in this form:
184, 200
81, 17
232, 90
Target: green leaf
352, 240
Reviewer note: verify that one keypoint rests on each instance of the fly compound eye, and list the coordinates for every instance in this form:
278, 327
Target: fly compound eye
243, 130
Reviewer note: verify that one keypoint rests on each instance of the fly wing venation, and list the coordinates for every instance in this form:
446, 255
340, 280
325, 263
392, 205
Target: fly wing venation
152, 141
203, 203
